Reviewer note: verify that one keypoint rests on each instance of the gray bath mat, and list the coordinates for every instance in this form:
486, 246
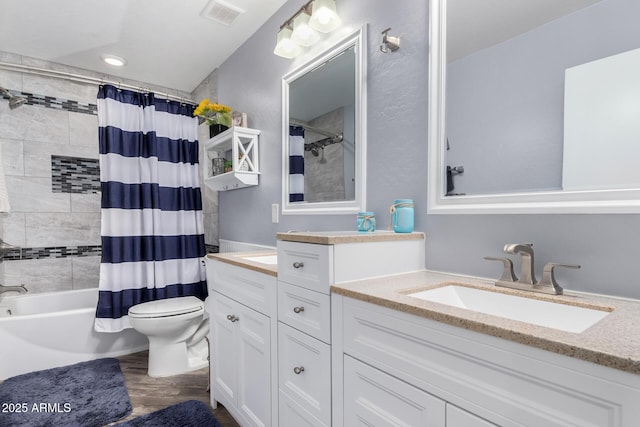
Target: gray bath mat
191, 413
86, 394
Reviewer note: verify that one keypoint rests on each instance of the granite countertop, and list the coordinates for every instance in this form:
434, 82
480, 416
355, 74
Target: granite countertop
614, 341
241, 259
337, 237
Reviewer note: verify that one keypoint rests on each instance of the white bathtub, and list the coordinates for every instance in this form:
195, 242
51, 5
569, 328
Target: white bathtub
45, 330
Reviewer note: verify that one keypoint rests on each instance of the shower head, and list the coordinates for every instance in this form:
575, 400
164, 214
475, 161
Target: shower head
322, 159
14, 101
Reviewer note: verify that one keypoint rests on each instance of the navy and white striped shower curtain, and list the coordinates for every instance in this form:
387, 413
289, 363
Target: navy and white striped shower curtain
152, 223
296, 164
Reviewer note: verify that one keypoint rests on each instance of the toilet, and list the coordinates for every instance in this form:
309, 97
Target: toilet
176, 329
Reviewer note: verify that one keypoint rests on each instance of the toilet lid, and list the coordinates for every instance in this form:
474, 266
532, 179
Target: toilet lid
167, 307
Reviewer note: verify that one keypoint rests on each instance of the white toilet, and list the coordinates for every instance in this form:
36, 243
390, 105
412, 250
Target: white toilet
176, 329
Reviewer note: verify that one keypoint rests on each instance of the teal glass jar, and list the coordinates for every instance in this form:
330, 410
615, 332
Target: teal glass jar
402, 215
366, 222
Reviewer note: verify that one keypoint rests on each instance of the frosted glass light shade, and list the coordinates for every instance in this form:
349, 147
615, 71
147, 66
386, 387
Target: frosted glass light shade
285, 47
303, 34
325, 17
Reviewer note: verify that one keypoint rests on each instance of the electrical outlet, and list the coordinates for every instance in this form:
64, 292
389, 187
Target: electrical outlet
275, 213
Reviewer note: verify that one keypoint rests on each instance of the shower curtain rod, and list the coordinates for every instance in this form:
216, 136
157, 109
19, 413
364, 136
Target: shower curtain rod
85, 79
296, 122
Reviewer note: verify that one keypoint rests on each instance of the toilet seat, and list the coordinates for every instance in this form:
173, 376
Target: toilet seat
167, 307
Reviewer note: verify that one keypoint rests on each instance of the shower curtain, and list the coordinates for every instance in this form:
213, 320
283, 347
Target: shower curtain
152, 223
296, 164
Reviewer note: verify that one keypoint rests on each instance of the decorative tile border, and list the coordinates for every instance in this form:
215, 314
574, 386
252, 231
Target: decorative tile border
53, 252
74, 175
68, 252
56, 103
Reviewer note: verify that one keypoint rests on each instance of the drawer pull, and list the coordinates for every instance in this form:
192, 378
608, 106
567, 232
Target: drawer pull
298, 264
232, 318
298, 370
298, 309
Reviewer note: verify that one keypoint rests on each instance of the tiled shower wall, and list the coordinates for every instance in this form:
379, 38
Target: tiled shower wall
50, 152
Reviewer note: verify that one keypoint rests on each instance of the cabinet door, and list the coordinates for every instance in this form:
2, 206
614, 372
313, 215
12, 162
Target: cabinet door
223, 356
304, 371
253, 354
373, 398
456, 417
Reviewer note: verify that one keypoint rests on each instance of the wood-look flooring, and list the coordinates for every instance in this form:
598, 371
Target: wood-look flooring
151, 394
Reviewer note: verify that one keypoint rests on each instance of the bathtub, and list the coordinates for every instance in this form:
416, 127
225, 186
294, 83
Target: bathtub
45, 330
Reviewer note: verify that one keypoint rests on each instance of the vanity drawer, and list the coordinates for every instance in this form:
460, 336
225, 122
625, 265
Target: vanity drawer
305, 310
304, 370
253, 289
305, 264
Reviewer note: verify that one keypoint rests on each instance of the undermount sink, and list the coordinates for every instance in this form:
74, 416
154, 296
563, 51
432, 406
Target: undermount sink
263, 259
569, 318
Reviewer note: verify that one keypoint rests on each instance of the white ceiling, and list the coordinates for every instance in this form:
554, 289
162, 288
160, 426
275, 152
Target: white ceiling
473, 25
165, 42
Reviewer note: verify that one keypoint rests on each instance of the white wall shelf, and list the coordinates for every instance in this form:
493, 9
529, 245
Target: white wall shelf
240, 146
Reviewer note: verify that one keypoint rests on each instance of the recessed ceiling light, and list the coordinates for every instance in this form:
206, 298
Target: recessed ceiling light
116, 61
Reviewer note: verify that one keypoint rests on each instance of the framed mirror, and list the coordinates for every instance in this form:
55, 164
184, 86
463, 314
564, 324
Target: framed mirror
323, 128
534, 106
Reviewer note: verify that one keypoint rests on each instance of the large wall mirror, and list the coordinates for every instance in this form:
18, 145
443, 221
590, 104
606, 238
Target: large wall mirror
534, 106
324, 132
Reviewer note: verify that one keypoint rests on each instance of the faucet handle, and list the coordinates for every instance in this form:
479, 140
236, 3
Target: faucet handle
549, 278
507, 272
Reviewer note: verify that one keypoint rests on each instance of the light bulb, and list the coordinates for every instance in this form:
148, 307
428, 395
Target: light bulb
303, 34
285, 47
325, 17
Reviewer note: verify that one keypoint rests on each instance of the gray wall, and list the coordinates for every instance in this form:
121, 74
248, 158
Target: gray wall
505, 104
250, 81
397, 152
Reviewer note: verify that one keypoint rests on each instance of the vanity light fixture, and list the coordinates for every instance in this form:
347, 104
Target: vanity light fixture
285, 47
325, 17
303, 34
113, 60
302, 28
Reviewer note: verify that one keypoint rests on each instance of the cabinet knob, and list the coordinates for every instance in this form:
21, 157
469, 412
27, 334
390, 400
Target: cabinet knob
232, 318
298, 370
298, 309
298, 264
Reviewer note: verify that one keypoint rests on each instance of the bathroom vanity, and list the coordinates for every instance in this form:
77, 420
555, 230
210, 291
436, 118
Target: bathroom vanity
423, 363
339, 333
242, 313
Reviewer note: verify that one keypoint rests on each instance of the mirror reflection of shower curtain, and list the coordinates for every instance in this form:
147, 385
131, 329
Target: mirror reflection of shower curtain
152, 223
296, 164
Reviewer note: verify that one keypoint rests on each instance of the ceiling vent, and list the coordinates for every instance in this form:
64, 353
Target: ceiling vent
221, 12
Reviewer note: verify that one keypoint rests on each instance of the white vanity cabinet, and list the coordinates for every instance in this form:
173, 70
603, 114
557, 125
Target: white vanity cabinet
241, 305
308, 264
402, 368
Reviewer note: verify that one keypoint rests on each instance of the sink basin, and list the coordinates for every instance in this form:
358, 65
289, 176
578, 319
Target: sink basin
569, 318
263, 259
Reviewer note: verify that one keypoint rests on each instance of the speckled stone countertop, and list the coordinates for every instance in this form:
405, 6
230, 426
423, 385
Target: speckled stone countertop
241, 260
614, 341
336, 237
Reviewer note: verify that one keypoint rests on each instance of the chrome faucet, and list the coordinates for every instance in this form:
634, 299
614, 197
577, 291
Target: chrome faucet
19, 289
527, 281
